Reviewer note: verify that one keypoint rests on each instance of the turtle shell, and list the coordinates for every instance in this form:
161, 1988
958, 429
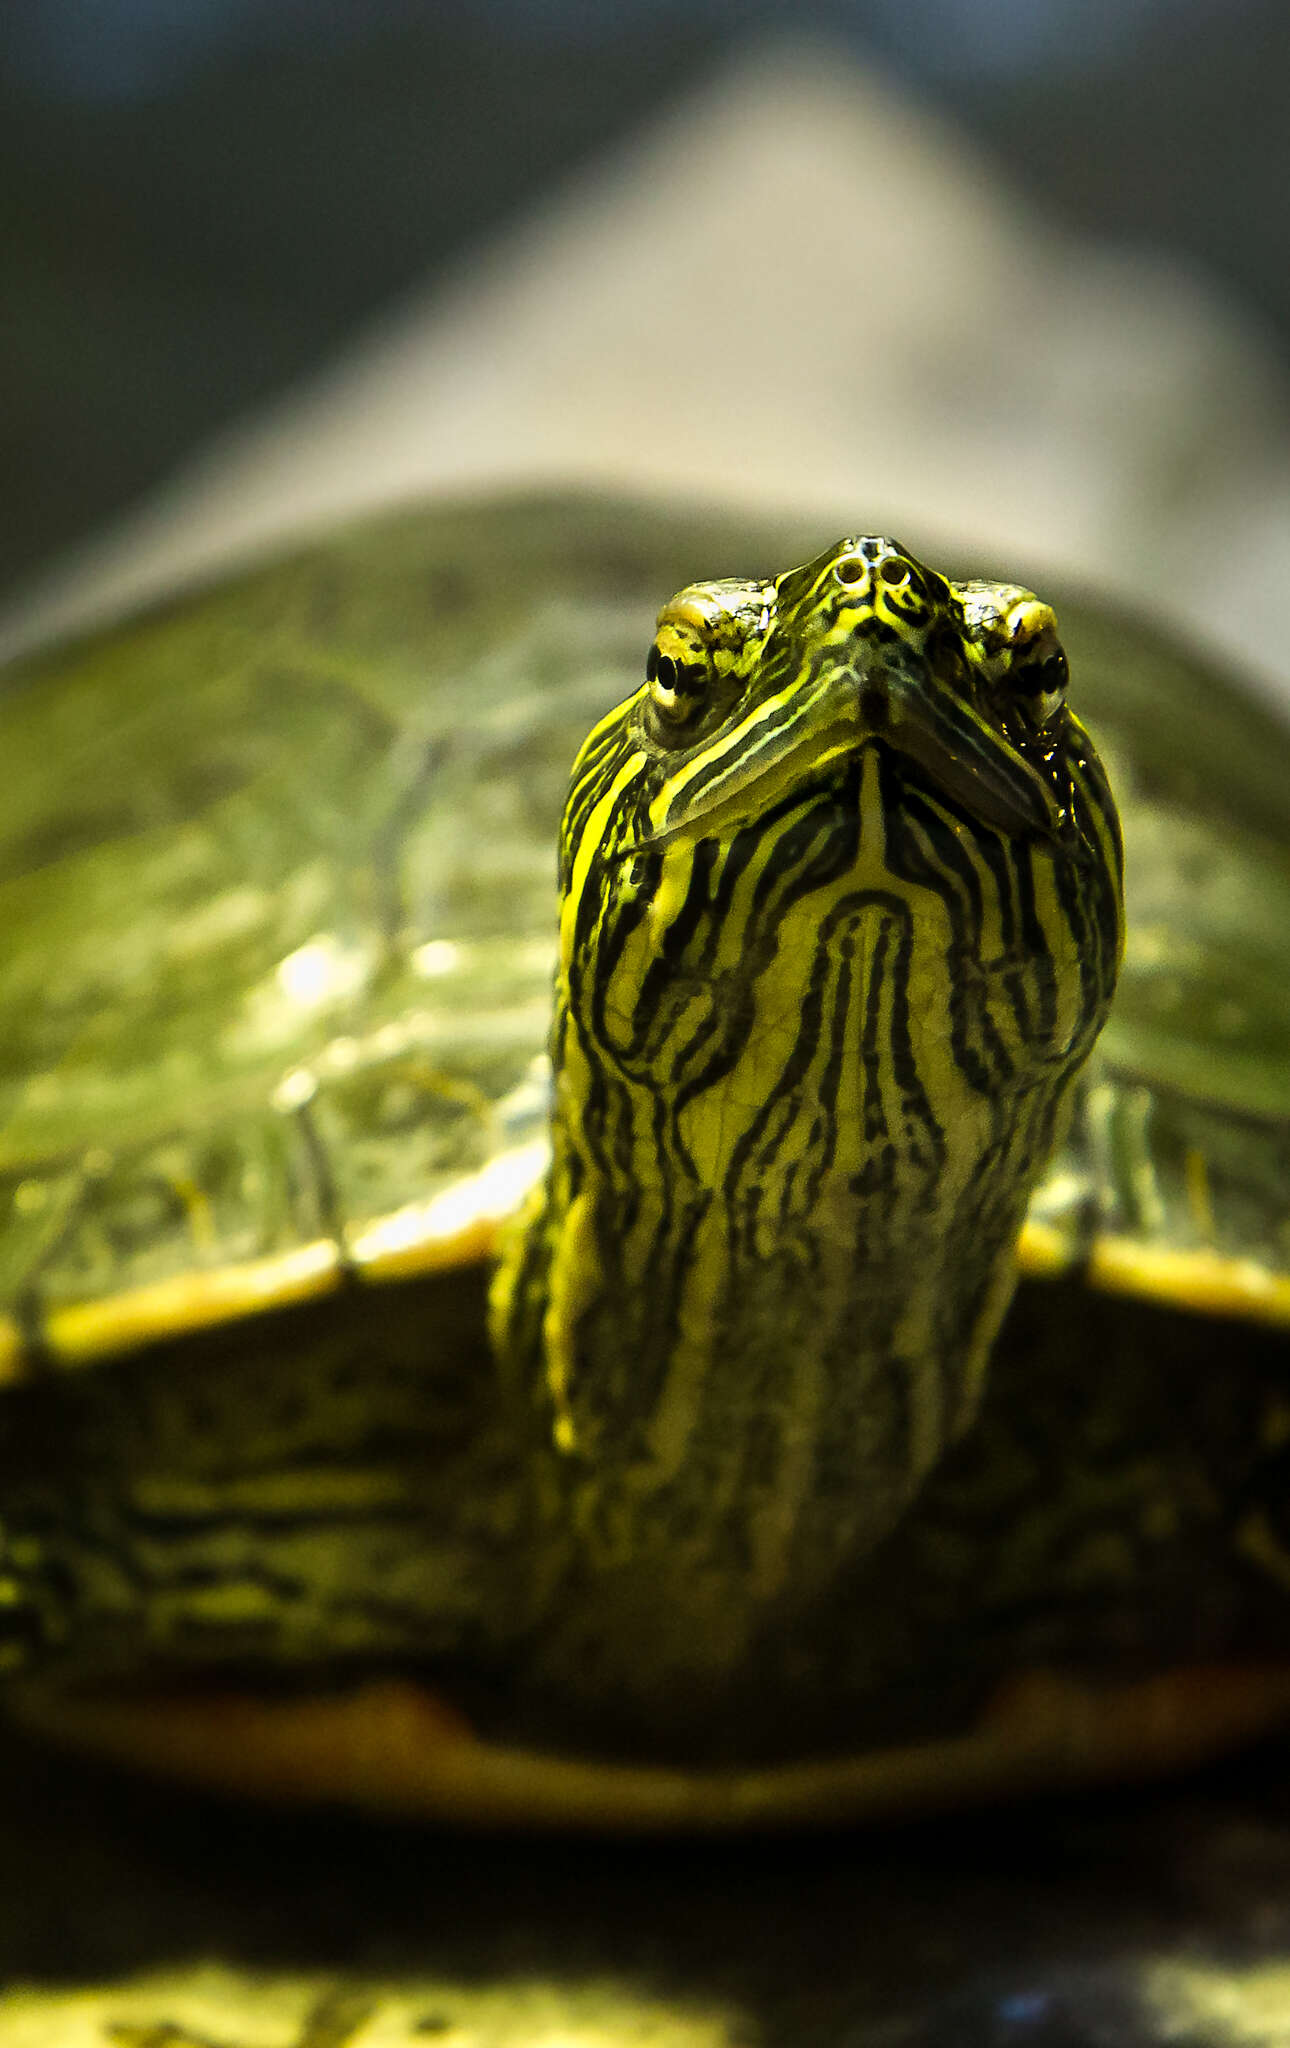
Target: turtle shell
277, 875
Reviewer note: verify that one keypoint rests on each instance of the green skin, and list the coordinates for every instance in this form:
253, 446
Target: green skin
806, 1073
324, 1492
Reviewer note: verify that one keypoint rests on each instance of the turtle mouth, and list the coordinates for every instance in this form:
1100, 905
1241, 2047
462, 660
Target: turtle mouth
969, 758
764, 757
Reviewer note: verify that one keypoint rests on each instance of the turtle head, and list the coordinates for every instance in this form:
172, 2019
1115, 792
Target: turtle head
754, 686
840, 922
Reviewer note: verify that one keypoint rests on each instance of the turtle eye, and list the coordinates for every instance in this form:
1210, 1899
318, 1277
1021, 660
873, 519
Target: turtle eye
1040, 684
678, 692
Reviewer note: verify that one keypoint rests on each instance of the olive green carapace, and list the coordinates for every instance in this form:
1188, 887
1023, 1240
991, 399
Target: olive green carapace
740, 1504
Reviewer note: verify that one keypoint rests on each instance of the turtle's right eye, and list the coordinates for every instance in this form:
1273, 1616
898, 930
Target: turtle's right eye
1033, 666
678, 691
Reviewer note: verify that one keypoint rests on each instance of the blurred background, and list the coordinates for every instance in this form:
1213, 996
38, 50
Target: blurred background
1003, 274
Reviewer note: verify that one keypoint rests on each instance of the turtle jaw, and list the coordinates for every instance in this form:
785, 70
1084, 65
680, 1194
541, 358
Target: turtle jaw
814, 694
966, 756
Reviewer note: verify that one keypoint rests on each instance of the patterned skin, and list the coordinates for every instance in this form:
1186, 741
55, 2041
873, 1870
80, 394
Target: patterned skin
841, 920
745, 1514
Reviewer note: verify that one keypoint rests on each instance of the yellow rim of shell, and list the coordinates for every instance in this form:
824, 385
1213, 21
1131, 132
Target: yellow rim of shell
1194, 1277
459, 1227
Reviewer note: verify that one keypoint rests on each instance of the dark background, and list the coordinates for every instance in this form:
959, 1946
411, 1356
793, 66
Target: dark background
199, 199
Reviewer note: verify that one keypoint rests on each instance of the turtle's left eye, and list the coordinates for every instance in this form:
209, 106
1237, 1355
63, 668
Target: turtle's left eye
678, 691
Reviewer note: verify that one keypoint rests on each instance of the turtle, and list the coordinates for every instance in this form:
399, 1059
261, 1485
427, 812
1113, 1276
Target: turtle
827, 1360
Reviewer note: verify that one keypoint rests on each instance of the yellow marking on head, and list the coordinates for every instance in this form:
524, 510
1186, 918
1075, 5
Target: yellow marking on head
749, 792
670, 893
680, 636
720, 624
588, 851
